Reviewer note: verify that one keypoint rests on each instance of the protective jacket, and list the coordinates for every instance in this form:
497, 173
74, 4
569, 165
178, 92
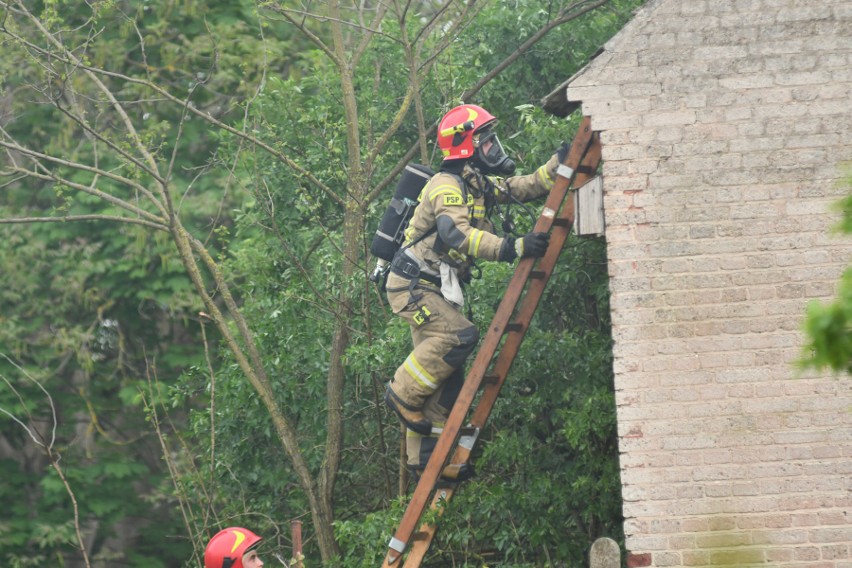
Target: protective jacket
456, 211
450, 227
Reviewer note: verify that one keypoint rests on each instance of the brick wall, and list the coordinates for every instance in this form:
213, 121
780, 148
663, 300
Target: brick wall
724, 124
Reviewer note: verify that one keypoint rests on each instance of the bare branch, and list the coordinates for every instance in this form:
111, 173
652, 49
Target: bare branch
47, 446
457, 25
78, 166
289, 16
50, 176
434, 21
76, 62
123, 153
206, 116
567, 14
369, 32
178, 136
70, 218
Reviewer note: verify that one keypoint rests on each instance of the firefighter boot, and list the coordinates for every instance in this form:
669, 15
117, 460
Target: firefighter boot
412, 417
452, 474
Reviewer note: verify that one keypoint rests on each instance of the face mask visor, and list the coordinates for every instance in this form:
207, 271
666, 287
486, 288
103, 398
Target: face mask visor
490, 157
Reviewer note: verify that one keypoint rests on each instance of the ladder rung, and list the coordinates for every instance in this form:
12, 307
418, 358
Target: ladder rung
490, 380
467, 437
581, 162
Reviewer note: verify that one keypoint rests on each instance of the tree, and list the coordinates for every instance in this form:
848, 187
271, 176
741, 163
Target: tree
828, 324
329, 156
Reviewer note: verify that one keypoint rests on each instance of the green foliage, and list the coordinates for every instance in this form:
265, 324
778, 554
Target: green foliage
547, 482
106, 318
364, 539
828, 325
287, 259
93, 310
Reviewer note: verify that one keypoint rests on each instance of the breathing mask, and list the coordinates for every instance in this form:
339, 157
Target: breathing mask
491, 158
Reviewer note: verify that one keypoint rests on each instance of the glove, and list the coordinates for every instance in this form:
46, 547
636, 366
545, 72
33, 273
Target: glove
562, 152
507, 250
532, 244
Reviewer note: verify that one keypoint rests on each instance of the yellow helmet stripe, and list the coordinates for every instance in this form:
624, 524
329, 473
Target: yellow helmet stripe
239, 537
420, 374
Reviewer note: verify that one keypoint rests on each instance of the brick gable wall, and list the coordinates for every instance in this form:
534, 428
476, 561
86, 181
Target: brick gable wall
724, 125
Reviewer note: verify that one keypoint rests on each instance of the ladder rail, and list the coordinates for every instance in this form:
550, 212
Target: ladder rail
498, 328
423, 537
529, 305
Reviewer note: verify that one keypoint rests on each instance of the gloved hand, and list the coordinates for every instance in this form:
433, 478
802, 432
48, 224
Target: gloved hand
562, 152
507, 250
532, 244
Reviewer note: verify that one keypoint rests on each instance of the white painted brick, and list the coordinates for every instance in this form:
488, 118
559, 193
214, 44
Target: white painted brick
596, 93
751, 81
726, 134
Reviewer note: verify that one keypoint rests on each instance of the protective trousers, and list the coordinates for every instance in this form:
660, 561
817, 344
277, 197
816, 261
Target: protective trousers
432, 375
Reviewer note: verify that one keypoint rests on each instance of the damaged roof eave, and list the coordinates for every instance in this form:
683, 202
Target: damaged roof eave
557, 102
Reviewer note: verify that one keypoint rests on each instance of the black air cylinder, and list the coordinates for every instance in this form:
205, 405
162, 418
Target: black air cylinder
389, 235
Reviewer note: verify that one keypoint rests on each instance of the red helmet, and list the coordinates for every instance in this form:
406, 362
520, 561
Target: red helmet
456, 130
226, 549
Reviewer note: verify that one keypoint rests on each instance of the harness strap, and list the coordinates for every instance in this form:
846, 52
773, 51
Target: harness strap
405, 266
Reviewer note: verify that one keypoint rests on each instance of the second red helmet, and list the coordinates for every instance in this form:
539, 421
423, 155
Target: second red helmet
227, 547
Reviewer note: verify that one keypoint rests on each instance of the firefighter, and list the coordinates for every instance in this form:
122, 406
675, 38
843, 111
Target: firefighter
233, 547
450, 228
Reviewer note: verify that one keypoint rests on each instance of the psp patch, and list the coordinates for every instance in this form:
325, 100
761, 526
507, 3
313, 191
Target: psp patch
453, 200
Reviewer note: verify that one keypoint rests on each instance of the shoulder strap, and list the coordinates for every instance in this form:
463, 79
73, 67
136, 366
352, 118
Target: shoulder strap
421, 237
434, 228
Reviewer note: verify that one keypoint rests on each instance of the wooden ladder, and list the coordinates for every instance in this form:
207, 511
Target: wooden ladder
557, 216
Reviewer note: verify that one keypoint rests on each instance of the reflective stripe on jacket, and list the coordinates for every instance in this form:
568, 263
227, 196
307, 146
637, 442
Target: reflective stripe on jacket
458, 210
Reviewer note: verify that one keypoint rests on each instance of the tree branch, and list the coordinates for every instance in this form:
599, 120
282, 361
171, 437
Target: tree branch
77, 63
206, 116
288, 15
70, 218
50, 176
567, 14
47, 447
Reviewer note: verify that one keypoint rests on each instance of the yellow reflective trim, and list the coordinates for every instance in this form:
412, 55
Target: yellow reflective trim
479, 212
473, 244
544, 175
439, 190
412, 434
419, 374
